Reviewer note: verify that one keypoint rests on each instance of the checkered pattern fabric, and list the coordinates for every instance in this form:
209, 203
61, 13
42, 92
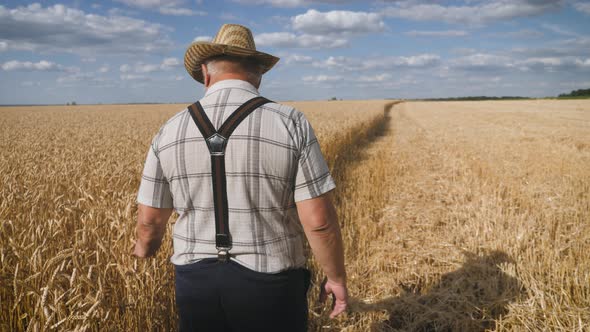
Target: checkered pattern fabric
273, 160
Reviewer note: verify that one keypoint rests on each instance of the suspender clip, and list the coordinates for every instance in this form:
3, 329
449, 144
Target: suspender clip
223, 255
223, 246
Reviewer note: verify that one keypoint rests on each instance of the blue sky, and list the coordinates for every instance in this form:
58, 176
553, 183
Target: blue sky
126, 51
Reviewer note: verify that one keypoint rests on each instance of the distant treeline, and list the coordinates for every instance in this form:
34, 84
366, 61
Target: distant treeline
475, 98
576, 93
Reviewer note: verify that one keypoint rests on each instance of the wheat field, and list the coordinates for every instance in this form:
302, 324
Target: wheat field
456, 216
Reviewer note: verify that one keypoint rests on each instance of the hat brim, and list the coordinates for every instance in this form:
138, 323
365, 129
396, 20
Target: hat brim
198, 52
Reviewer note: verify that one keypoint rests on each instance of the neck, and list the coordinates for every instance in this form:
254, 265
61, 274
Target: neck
231, 76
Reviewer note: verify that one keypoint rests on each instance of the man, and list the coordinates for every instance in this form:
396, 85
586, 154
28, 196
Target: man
244, 201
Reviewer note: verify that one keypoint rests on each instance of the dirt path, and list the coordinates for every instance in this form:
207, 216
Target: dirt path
407, 271
484, 220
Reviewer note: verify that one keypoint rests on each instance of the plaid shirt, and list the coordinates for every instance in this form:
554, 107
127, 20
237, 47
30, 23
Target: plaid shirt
273, 160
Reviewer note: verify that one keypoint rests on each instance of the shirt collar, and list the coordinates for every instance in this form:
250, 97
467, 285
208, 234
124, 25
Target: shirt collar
232, 84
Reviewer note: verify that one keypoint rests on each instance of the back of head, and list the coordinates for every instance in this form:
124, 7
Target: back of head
226, 65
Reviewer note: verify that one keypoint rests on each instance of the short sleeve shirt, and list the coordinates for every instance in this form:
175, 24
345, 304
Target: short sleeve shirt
272, 159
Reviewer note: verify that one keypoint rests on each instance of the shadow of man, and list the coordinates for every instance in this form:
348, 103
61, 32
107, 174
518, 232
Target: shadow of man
471, 298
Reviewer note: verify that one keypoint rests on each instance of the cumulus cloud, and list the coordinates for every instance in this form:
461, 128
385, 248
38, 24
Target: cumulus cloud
482, 62
168, 63
43, 65
524, 33
203, 38
583, 7
288, 3
132, 77
554, 63
323, 30
321, 78
166, 7
381, 63
337, 22
144, 68
297, 58
442, 33
291, 40
375, 78
479, 13
30, 83
559, 30
577, 46
81, 76
62, 29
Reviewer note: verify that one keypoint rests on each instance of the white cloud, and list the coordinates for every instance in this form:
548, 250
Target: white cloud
577, 46
125, 68
375, 78
381, 63
493, 63
552, 64
479, 13
320, 30
168, 63
442, 33
62, 29
414, 61
482, 61
132, 77
337, 22
79, 76
181, 12
166, 7
104, 69
321, 78
202, 38
524, 33
228, 17
276, 3
559, 30
297, 58
290, 40
42, 65
145, 68
583, 7
288, 3
30, 83
575, 84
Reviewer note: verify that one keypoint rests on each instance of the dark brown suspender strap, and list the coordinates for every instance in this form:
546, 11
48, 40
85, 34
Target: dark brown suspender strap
216, 142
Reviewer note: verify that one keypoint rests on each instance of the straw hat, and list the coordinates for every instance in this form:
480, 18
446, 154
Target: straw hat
232, 39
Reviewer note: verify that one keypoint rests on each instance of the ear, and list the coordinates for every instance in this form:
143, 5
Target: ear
206, 76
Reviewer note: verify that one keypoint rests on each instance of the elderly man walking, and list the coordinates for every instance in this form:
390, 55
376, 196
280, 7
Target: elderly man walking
249, 182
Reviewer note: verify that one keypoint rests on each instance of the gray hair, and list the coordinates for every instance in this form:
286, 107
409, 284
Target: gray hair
227, 63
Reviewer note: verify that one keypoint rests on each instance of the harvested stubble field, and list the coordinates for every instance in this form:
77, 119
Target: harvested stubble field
457, 216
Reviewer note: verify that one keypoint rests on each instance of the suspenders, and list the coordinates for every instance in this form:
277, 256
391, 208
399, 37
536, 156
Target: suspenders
216, 142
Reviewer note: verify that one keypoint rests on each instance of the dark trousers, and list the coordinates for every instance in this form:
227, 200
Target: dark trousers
217, 296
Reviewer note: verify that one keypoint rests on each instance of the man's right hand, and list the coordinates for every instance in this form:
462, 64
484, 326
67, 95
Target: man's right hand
339, 296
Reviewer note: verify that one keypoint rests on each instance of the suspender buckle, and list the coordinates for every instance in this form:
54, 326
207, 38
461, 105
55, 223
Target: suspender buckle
216, 144
223, 255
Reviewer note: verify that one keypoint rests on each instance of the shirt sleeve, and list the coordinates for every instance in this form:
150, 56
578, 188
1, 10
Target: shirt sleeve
154, 189
313, 176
